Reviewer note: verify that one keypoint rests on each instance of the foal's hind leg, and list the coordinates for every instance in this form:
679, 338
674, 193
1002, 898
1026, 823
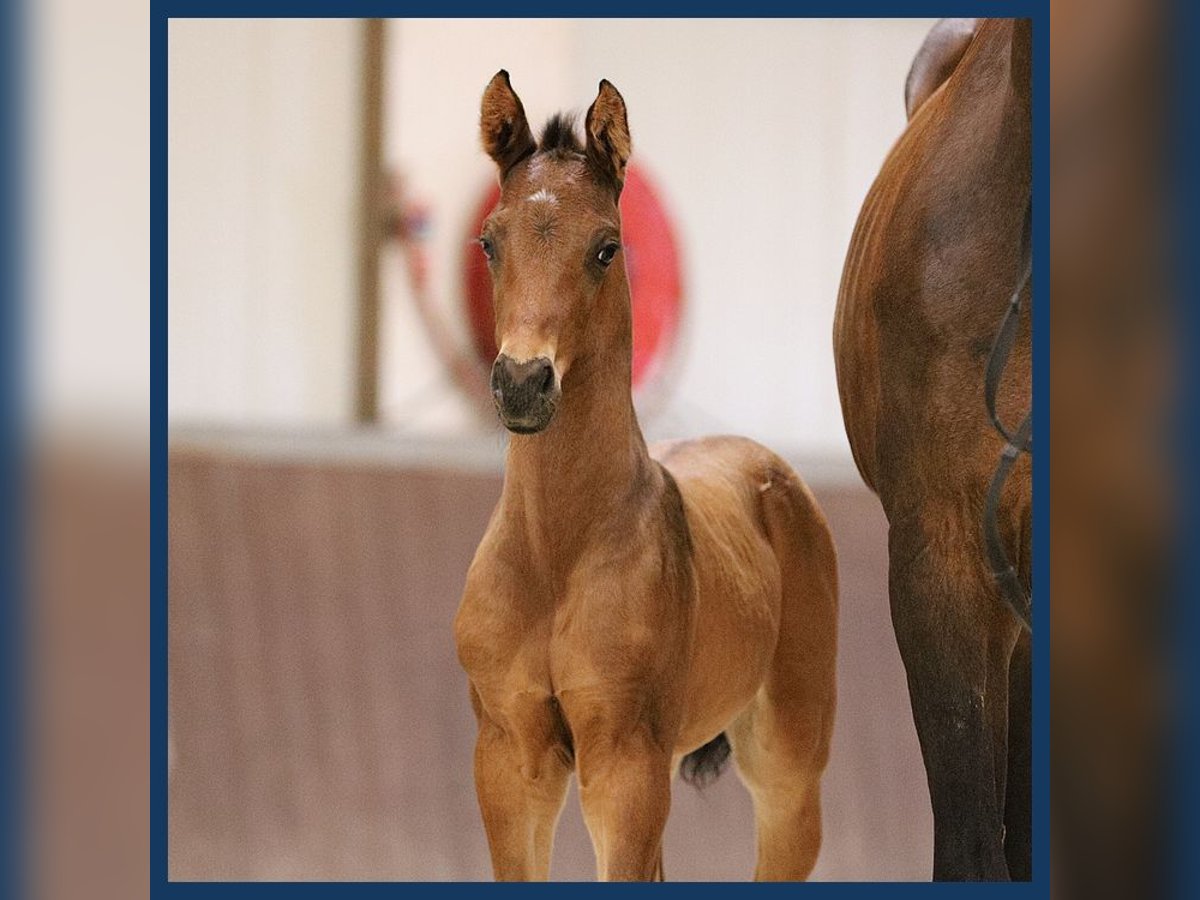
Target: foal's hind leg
783, 776
781, 741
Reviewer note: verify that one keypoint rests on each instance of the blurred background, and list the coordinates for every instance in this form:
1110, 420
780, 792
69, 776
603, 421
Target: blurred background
334, 456
759, 139
330, 472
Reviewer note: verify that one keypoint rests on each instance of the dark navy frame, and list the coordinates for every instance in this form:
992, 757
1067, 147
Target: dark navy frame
13, 613
1183, 181
163, 10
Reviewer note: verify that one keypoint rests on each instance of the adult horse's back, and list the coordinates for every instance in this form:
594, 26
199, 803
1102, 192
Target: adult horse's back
935, 256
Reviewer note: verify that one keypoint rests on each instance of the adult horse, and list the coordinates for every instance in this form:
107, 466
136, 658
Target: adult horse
629, 609
935, 255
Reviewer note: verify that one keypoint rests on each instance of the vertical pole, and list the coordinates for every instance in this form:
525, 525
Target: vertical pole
371, 225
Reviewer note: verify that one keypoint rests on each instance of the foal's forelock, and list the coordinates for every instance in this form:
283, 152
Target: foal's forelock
558, 135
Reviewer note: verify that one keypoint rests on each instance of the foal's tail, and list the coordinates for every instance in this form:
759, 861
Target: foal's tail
703, 766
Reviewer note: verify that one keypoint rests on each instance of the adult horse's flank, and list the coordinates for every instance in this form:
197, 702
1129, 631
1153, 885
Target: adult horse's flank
934, 258
628, 610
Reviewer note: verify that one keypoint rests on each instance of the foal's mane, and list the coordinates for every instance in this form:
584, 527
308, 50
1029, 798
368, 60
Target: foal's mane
558, 135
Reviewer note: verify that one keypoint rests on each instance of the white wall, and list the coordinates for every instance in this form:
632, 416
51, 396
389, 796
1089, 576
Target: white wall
763, 137
263, 192
88, 152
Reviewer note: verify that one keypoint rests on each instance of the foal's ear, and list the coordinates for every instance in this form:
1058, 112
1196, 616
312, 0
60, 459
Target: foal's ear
503, 128
608, 144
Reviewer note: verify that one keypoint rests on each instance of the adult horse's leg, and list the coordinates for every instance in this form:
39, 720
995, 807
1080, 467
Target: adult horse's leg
942, 627
520, 800
1018, 807
1003, 631
625, 790
781, 741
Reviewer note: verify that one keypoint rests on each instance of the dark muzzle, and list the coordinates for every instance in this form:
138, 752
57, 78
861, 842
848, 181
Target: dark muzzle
526, 394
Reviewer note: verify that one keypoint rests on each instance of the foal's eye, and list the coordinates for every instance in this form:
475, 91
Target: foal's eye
607, 253
488, 250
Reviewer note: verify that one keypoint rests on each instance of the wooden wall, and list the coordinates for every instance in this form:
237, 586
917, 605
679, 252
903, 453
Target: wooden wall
319, 722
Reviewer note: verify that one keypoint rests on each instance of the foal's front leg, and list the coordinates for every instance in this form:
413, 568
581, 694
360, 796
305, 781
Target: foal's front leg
625, 789
520, 795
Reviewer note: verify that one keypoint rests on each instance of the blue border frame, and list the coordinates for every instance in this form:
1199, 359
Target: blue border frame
1183, 826
1041, 460
158, 449
162, 10
13, 539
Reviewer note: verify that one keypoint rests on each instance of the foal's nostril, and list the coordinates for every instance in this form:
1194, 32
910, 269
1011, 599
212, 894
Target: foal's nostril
547, 382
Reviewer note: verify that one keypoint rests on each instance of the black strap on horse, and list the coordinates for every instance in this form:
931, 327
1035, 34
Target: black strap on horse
1015, 442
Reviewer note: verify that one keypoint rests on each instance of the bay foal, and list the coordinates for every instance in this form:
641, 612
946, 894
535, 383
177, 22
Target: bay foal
626, 606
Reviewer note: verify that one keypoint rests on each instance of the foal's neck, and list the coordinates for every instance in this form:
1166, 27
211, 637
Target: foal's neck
592, 457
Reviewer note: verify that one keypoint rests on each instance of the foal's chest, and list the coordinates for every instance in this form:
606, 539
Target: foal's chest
524, 651
505, 651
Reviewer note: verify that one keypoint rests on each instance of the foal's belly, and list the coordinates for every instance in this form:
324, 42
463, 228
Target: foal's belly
737, 575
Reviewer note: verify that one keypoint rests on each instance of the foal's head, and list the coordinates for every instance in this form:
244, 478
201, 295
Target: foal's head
553, 246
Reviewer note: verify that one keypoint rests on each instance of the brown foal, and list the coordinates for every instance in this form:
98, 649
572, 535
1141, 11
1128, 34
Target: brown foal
628, 606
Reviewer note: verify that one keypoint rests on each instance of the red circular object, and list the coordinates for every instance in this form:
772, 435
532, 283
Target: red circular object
651, 259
